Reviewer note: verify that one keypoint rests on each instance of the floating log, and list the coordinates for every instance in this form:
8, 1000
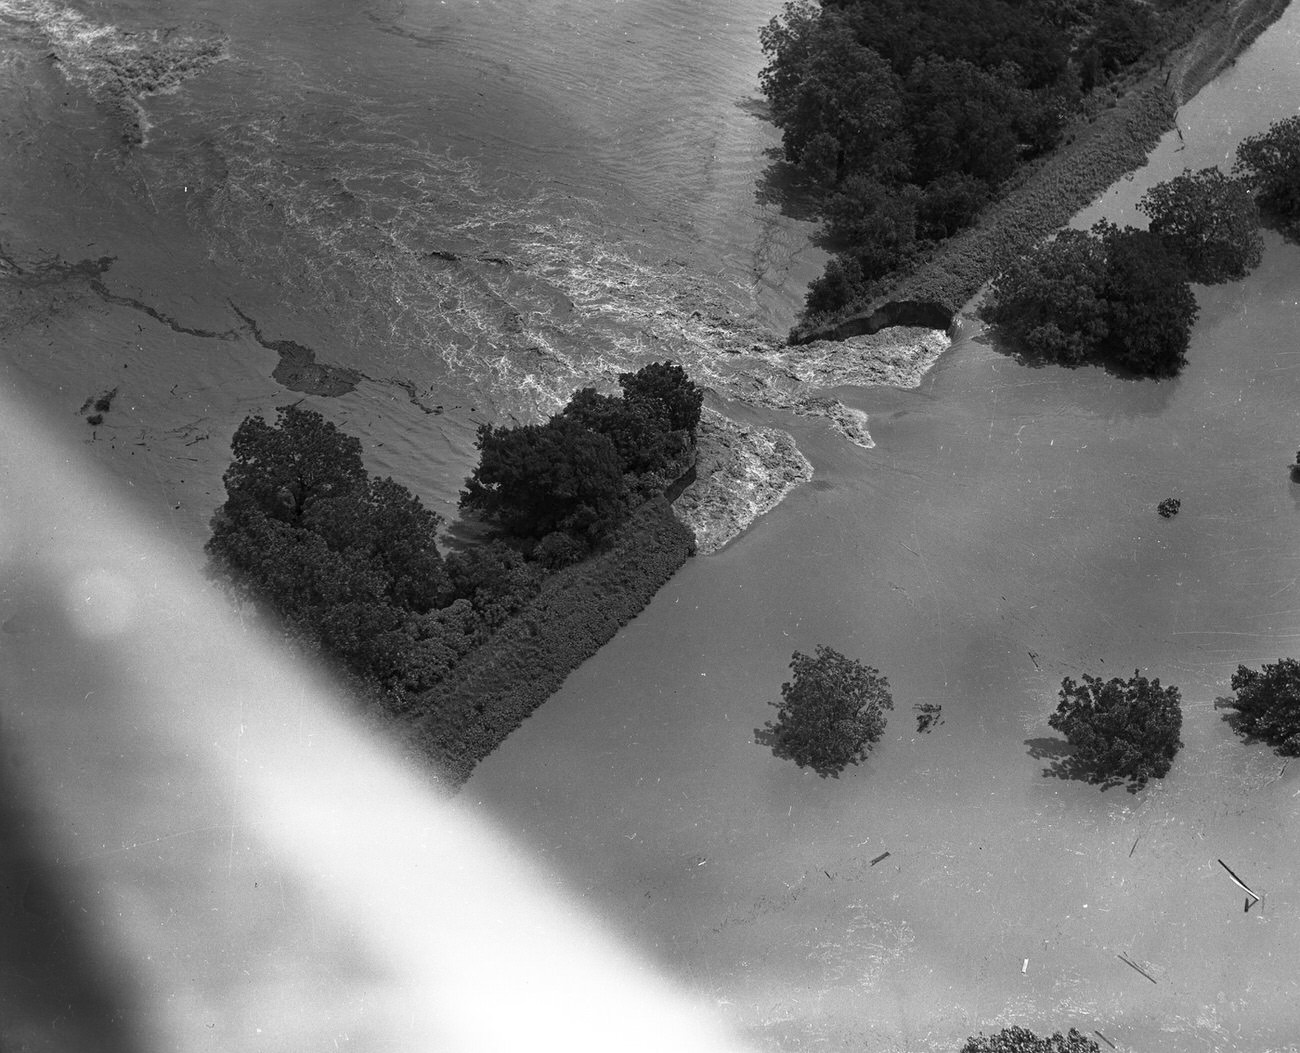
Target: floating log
1249, 891
1134, 965
883, 855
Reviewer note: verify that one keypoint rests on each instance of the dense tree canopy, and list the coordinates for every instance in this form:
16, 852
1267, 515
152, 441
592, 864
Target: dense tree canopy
1124, 31
348, 563
909, 115
1150, 305
1115, 295
964, 119
1121, 730
563, 486
540, 478
985, 33
876, 221
1210, 221
639, 431
349, 566
831, 711
665, 387
302, 482
1267, 704
949, 204
283, 468
1050, 302
1269, 164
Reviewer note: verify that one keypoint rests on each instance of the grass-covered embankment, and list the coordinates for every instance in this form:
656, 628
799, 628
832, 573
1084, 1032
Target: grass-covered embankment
578, 610
1097, 150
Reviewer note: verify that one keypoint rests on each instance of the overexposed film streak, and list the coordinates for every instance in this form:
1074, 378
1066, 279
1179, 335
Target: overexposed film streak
236, 862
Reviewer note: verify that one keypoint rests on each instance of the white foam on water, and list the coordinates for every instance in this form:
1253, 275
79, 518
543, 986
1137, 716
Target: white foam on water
113, 65
524, 300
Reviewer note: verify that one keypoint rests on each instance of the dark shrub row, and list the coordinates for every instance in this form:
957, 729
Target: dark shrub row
1120, 126
559, 488
1040, 202
578, 610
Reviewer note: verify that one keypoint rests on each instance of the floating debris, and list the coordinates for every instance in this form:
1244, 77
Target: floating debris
1104, 1039
1134, 965
1168, 508
1241, 884
100, 404
928, 715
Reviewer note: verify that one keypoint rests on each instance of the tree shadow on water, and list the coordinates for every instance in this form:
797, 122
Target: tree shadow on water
782, 186
1125, 396
1062, 763
767, 736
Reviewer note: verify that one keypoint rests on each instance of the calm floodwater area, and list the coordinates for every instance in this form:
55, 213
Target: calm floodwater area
452, 212
1002, 534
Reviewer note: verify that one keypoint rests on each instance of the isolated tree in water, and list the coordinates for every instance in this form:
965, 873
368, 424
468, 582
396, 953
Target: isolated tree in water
1121, 730
831, 712
1267, 704
1210, 221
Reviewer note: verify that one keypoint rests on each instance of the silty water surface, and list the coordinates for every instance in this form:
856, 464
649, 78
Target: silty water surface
462, 209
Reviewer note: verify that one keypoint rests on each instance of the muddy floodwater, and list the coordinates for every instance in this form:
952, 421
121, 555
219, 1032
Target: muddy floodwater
1003, 534
420, 216
417, 217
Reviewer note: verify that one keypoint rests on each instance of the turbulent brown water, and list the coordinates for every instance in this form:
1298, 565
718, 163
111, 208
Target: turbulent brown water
441, 213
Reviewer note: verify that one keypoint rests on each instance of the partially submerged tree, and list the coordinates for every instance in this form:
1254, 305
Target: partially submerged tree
1269, 164
1021, 1040
665, 388
1124, 32
542, 478
1267, 704
831, 711
1049, 302
565, 485
1121, 730
836, 101
1114, 295
1150, 307
347, 563
1210, 221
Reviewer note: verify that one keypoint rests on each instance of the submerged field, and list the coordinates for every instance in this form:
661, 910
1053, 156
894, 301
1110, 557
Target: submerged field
1001, 535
